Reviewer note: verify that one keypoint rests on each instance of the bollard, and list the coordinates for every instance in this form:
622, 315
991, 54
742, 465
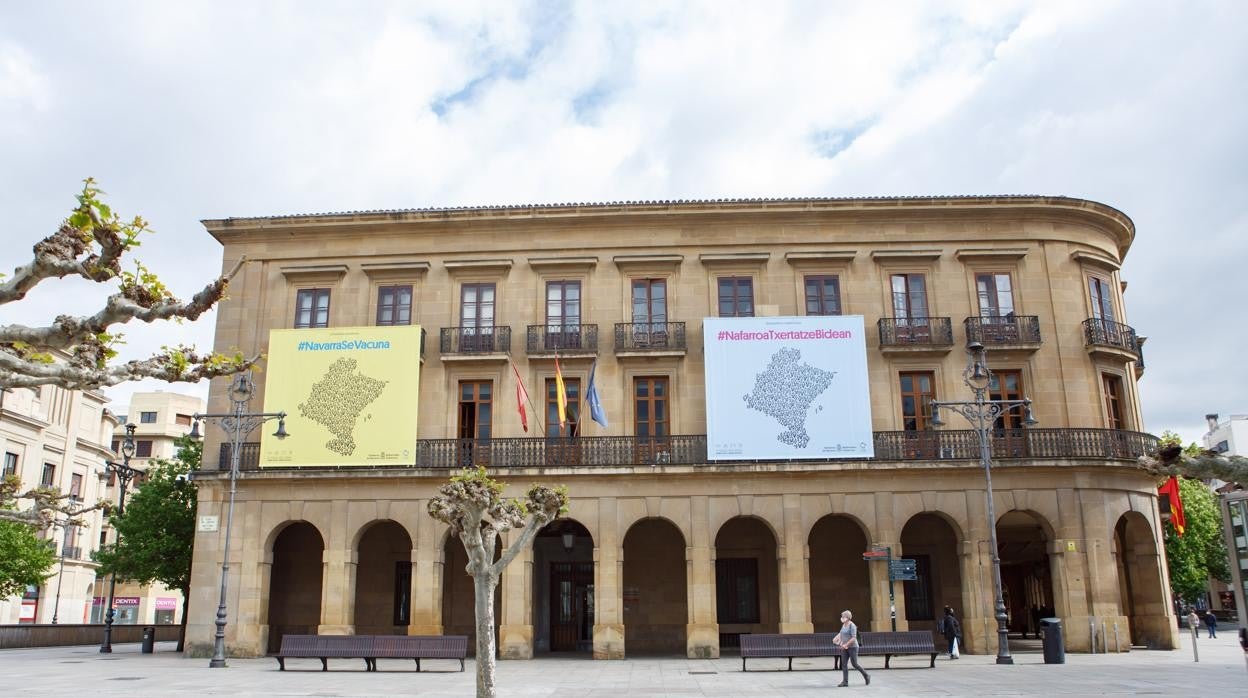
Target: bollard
1104, 638
1117, 649
1195, 652
1092, 633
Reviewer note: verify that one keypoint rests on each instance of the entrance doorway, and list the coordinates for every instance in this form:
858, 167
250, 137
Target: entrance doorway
1026, 578
563, 588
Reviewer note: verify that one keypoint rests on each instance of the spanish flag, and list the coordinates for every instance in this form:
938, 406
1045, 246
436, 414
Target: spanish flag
1172, 502
561, 396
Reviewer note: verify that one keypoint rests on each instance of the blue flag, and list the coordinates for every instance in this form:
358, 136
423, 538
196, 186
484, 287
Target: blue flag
596, 412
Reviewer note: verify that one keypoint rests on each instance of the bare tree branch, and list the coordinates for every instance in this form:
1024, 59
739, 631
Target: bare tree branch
48, 506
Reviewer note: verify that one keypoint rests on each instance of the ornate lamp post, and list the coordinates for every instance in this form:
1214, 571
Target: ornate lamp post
982, 413
237, 423
124, 474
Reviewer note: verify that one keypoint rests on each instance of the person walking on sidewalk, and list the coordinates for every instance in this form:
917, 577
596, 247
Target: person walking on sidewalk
847, 640
1193, 621
1211, 622
952, 630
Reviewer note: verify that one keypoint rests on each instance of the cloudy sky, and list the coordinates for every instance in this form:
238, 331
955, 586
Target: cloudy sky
185, 111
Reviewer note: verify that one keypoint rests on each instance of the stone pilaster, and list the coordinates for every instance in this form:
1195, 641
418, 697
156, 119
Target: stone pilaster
515, 628
702, 632
608, 584
794, 558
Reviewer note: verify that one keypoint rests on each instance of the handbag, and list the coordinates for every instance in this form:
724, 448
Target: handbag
953, 649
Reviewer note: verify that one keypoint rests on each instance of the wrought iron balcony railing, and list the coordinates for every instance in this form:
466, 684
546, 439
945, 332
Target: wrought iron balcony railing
607, 451
916, 331
488, 339
650, 336
1004, 331
1099, 332
548, 339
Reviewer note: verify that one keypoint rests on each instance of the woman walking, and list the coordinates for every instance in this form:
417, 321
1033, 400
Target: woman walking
952, 630
847, 640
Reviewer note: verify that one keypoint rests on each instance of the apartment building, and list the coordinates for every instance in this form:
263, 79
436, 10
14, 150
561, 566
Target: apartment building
672, 545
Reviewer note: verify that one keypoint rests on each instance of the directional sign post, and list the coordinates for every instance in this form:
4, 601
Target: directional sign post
885, 554
902, 570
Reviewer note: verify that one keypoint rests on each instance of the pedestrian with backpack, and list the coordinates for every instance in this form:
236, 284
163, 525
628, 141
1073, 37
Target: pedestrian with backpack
847, 640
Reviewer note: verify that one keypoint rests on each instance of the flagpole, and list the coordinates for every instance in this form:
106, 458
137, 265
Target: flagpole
536, 412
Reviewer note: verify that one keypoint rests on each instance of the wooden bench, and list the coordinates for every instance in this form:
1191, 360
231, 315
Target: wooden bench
891, 644
326, 647
420, 647
370, 648
788, 646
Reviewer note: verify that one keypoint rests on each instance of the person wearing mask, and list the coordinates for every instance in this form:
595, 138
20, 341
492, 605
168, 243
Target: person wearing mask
847, 640
1211, 622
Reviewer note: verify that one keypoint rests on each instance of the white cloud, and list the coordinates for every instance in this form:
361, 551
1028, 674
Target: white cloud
202, 110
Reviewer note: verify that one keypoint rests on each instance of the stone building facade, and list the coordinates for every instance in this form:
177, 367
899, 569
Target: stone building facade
663, 551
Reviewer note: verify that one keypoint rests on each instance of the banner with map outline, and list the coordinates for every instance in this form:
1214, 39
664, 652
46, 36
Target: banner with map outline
780, 388
350, 394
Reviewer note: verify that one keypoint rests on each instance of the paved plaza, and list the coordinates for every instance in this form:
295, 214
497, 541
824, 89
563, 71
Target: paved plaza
76, 671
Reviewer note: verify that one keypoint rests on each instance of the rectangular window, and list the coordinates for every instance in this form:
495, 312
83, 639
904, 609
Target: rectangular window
650, 407
10, 464
143, 448
312, 308
394, 305
909, 296
1007, 385
49, 475
183, 419
736, 296
1113, 401
476, 418
573, 389
147, 417
996, 295
823, 295
650, 302
476, 316
563, 305
736, 590
1102, 299
116, 446
402, 592
917, 393
75, 487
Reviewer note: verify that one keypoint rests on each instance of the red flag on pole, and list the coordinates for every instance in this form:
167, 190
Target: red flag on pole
1170, 491
522, 398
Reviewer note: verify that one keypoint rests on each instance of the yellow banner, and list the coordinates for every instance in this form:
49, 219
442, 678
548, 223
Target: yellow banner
349, 393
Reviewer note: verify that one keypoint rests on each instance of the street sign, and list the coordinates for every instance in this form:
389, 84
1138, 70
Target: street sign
875, 555
902, 570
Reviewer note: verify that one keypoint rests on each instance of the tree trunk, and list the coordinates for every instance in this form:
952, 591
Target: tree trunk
186, 603
483, 586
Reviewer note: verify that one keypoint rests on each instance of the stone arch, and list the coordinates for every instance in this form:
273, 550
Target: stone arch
1141, 589
563, 587
1024, 541
839, 577
368, 526
271, 539
656, 610
932, 540
747, 579
295, 582
383, 579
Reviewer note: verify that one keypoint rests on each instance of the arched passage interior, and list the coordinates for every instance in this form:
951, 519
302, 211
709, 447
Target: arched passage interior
383, 580
931, 542
655, 589
295, 583
1142, 597
1026, 576
459, 616
747, 588
563, 588
839, 577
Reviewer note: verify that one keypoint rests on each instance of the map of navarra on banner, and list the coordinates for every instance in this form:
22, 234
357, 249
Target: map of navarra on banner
350, 394
787, 388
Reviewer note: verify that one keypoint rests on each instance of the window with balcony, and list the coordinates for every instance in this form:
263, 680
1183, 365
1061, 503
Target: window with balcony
476, 420
649, 328
49, 475
909, 297
476, 317
996, 295
1112, 387
1007, 385
736, 296
573, 388
147, 417
563, 314
651, 419
10, 464
75, 487
312, 308
394, 305
143, 448
1102, 298
917, 393
823, 295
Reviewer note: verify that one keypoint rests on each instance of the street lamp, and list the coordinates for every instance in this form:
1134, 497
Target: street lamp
124, 474
982, 413
237, 423
70, 534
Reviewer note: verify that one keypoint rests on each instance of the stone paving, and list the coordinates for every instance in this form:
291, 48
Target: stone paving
76, 671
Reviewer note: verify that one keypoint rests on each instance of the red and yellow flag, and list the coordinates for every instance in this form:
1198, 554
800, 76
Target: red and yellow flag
561, 396
522, 397
1170, 491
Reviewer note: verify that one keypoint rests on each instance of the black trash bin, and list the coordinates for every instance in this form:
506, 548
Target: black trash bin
1054, 645
149, 640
